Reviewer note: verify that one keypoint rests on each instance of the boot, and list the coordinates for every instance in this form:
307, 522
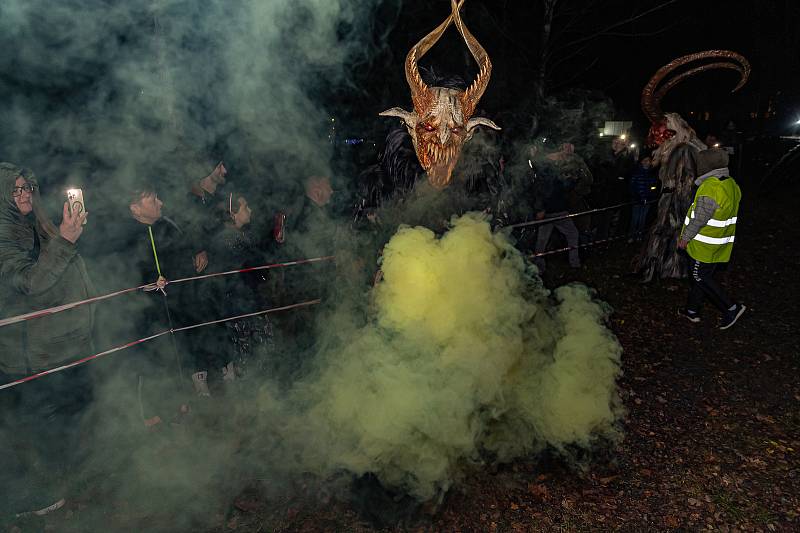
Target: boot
200, 381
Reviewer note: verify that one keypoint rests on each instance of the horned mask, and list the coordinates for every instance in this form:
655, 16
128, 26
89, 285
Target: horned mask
442, 118
668, 125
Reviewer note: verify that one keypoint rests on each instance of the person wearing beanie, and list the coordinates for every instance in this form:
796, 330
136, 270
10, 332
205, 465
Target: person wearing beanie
708, 235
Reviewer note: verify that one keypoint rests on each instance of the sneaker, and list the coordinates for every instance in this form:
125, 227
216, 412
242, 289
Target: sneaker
688, 314
44, 510
732, 316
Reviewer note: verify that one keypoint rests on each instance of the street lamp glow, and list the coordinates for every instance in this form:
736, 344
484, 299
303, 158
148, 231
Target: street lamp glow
633, 145
623, 136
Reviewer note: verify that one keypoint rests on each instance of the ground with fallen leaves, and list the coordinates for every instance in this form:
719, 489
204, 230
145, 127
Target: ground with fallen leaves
713, 424
712, 432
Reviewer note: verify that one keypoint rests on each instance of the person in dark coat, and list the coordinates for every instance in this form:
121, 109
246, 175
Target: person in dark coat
139, 247
250, 340
612, 176
39, 268
552, 190
643, 190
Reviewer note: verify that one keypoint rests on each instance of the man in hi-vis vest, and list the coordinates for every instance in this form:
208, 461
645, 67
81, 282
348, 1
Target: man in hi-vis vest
708, 235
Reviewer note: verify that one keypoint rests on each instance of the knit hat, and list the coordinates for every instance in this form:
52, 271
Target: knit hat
711, 159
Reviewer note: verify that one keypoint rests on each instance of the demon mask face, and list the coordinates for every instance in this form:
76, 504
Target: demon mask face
442, 118
670, 126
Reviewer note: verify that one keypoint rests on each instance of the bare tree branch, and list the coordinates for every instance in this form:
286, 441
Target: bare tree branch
618, 24
579, 50
577, 75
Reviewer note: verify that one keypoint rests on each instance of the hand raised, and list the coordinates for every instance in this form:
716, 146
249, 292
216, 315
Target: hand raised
71, 224
201, 261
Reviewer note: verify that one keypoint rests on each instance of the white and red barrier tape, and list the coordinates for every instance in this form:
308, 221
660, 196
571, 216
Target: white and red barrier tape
146, 339
150, 286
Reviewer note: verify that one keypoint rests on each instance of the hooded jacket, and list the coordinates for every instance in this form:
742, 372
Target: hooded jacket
38, 269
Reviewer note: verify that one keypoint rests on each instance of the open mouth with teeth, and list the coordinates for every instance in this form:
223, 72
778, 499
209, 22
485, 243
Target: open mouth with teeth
439, 162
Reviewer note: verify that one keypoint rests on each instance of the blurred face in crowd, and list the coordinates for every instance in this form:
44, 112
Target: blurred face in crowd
618, 145
23, 195
712, 141
244, 214
646, 162
147, 209
319, 190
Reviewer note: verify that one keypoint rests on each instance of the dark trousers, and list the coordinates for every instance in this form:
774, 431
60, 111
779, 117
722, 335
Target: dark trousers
638, 218
567, 228
40, 438
703, 285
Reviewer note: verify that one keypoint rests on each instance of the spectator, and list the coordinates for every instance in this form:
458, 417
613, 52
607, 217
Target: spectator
234, 248
551, 190
308, 223
579, 179
202, 225
612, 174
643, 190
40, 268
310, 233
199, 217
140, 246
712, 140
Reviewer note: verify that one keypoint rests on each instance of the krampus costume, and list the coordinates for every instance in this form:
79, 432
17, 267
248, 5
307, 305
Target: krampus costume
676, 155
442, 118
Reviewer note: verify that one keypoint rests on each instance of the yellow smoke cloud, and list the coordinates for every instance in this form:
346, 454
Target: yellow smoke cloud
467, 352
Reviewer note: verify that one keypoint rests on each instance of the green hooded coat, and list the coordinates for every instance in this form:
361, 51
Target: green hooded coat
38, 269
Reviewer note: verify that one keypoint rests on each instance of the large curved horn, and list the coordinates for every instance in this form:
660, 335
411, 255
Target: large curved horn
421, 94
474, 92
651, 99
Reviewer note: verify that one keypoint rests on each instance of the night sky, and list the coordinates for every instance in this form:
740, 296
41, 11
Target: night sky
619, 61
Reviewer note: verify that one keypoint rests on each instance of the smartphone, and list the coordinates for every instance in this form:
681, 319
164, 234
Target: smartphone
75, 202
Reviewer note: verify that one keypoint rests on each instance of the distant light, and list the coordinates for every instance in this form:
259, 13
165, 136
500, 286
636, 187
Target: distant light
797, 123
623, 136
601, 134
544, 139
633, 145
653, 188
716, 145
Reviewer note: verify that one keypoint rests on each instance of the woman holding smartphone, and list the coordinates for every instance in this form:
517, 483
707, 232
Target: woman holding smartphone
39, 268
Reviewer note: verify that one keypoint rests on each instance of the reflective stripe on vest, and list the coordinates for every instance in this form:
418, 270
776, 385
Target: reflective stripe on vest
714, 222
713, 240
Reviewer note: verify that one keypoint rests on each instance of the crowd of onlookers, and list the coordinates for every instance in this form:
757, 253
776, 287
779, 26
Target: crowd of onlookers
126, 241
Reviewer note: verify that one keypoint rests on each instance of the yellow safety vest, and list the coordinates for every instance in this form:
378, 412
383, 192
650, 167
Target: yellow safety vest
714, 242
